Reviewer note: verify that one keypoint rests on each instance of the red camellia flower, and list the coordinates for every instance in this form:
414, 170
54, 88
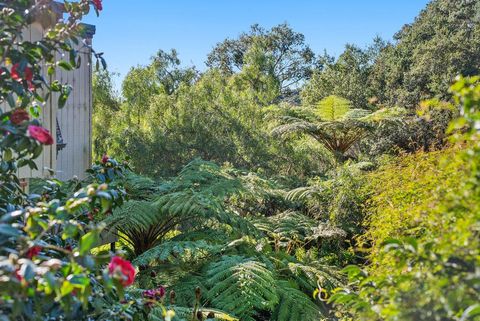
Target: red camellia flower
19, 116
105, 158
18, 276
27, 75
27, 72
33, 251
98, 4
122, 269
40, 134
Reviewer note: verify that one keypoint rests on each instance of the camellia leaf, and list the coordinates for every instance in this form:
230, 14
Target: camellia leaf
88, 241
8, 230
65, 65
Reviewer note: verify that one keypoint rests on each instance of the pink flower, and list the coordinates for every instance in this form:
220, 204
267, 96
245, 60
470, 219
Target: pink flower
33, 251
97, 4
19, 116
40, 134
122, 269
105, 158
154, 294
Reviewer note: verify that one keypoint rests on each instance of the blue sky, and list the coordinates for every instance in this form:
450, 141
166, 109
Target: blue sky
130, 32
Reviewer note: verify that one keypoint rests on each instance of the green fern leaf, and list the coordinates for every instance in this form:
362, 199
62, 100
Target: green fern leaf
333, 108
295, 305
242, 286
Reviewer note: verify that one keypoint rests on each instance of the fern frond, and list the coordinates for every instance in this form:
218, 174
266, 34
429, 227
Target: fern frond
295, 126
316, 273
333, 108
241, 286
169, 249
326, 231
356, 113
295, 305
139, 187
185, 288
185, 314
305, 193
199, 193
132, 215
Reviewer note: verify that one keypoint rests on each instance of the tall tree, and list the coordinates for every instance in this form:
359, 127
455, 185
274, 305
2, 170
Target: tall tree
164, 74
106, 105
346, 76
293, 59
428, 54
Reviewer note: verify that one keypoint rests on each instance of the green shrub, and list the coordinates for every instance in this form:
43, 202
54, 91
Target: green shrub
423, 232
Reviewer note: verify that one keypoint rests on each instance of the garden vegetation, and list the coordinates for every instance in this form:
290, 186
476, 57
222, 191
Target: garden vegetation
276, 184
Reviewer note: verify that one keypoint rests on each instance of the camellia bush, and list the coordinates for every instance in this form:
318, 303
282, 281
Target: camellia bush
47, 267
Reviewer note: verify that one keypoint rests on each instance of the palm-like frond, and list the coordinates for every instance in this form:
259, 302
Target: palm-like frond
200, 192
139, 187
316, 273
287, 230
141, 224
305, 193
295, 305
338, 126
175, 249
241, 286
185, 314
333, 108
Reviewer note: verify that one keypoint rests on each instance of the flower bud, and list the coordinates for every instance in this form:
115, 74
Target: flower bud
198, 293
172, 297
90, 191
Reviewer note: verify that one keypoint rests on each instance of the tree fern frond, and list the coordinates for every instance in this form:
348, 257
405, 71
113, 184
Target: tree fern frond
185, 314
356, 113
299, 126
295, 305
139, 187
386, 114
314, 272
326, 231
133, 215
241, 286
333, 108
305, 193
185, 288
169, 249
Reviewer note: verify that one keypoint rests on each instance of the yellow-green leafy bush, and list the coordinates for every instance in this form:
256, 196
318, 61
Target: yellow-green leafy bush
409, 198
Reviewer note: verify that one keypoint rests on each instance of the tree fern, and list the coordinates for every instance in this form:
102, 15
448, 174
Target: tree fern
200, 191
185, 314
316, 273
337, 126
139, 187
169, 249
295, 305
333, 108
141, 225
242, 286
287, 230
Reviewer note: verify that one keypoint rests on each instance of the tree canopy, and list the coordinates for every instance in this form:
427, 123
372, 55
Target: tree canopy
292, 59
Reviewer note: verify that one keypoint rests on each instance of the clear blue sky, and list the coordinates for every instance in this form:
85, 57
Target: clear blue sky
130, 32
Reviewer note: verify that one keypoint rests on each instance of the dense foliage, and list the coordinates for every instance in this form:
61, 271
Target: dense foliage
275, 185
423, 238
323, 175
